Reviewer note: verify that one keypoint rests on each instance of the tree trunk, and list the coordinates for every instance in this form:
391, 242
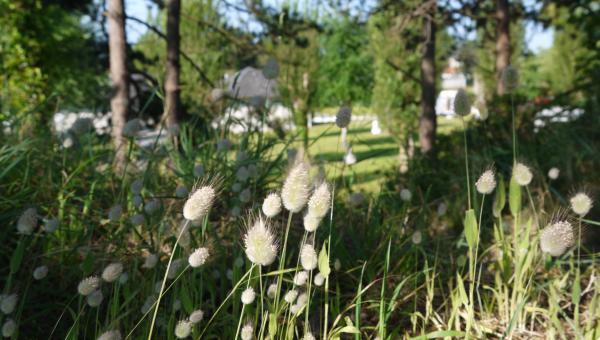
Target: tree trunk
172, 89
502, 41
119, 101
427, 121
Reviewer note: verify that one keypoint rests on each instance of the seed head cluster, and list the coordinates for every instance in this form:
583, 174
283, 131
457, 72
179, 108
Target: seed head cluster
259, 243
462, 104
486, 182
199, 203
557, 238
581, 203
522, 174
296, 188
198, 257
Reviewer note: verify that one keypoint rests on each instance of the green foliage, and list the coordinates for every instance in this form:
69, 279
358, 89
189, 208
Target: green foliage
346, 64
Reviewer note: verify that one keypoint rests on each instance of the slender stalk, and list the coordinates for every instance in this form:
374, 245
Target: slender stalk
164, 281
282, 262
243, 304
514, 129
466, 161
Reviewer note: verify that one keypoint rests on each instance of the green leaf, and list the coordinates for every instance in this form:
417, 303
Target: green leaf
461, 290
576, 292
500, 198
471, 229
514, 197
17, 256
324, 268
272, 325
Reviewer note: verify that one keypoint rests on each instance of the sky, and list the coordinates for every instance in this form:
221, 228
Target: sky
536, 37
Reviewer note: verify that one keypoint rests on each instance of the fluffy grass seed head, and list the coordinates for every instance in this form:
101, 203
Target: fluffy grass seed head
581, 203
112, 272
296, 188
405, 195
198, 257
136, 187
95, 298
137, 201
150, 261
137, 219
510, 78
196, 316
247, 332
557, 238
553, 173
308, 257
8, 328
271, 206
27, 221
174, 269
40, 272
88, 285
272, 291
152, 206
248, 296
522, 174
308, 336
199, 203
319, 279
290, 296
198, 170
343, 117
300, 278
462, 104
183, 329
115, 212
311, 222
417, 237
318, 204
8, 303
486, 182
260, 244
51, 225
111, 335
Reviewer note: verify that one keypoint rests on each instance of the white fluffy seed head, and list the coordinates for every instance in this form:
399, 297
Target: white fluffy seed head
308, 257
290, 296
318, 204
199, 203
308, 336
319, 279
522, 174
557, 238
302, 299
296, 187
40, 272
88, 285
198, 257
115, 212
111, 335
356, 198
137, 219
248, 296
196, 316
581, 203
8, 303
247, 332
300, 278
462, 104
442, 208
405, 195
259, 243
271, 205
510, 78
417, 237
95, 298
311, 223
343, 117
27, 221
272, 291
150, 261
8, 328
183, 329
553, 173
112, 272
51, 225
486, 182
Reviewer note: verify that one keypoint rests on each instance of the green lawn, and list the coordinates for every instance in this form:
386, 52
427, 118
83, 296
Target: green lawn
375, 154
